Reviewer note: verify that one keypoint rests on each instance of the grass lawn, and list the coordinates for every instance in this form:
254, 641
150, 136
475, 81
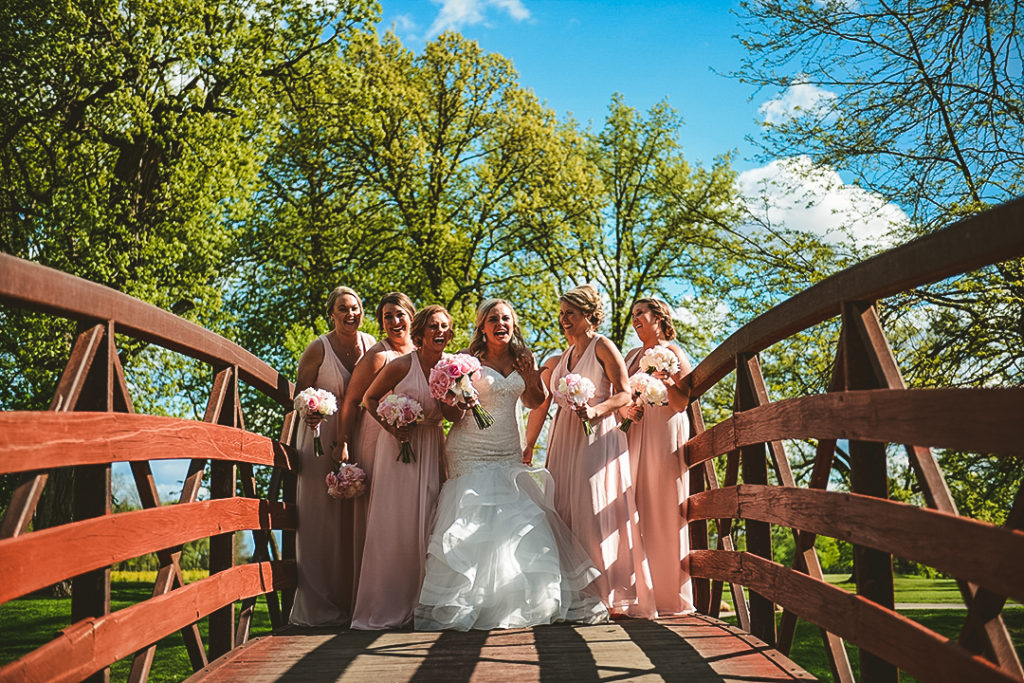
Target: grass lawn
29, 622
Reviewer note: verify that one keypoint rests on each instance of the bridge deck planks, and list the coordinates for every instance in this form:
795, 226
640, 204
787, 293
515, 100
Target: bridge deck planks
693, 648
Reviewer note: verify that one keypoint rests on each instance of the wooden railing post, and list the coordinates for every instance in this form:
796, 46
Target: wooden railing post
755, 471
868, 476
698, 528
223, 477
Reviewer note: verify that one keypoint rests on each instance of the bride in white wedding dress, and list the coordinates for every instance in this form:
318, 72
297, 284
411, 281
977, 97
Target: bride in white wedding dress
499, 555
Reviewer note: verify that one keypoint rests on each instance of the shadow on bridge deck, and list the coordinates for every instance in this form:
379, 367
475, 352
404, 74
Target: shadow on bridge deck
690, 648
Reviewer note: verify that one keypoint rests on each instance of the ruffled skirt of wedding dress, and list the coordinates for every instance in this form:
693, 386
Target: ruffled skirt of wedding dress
500, 557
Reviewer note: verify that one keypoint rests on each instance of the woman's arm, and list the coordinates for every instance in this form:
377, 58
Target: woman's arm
679, 384
305, 376
535, 421
385, 381
362, 375
615, 368
535, 392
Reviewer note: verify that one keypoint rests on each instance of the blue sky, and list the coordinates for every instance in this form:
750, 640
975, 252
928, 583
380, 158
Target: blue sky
575, 54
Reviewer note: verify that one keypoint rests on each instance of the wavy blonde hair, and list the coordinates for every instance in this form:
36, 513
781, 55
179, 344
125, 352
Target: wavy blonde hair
477, 345
587, 299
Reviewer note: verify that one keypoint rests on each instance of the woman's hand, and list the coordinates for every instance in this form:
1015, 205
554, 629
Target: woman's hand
313, 419
528, 455
635, 412
340, 452
400, 433
586, 412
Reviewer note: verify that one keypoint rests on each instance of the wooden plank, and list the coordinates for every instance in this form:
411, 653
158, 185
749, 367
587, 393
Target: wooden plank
34, 286
41, 558
692, 648
959, 546
989, 237
755, 471
34, 440
90, 645
977, 420
922, 653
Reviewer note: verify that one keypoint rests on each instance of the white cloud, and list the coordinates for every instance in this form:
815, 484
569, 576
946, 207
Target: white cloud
799, 99
795, 194
456, 14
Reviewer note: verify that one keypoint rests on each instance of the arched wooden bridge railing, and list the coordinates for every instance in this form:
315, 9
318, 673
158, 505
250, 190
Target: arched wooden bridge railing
869, 405
90, 425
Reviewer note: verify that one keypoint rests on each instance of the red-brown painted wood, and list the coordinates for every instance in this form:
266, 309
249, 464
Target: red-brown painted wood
956, 545
90, 645
919, 651
33, 440
976, 420
38, 559
31, 285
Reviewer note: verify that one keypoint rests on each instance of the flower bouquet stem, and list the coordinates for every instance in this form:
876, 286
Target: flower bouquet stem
405, 453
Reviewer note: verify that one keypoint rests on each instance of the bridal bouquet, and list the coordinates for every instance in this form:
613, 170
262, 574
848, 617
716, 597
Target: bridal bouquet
348, 482
320, 402
645, 389
576, 390
659, 359
452, 379
399, 410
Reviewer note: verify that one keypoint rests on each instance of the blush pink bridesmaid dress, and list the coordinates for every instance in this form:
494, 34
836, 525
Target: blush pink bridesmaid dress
594, 492
659, 477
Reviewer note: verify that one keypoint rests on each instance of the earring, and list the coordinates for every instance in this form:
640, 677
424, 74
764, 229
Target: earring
484, 336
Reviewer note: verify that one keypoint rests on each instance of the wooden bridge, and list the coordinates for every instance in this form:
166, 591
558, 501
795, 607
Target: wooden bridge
91, 424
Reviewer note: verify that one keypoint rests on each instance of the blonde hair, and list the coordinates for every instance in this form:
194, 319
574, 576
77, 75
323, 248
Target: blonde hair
478, 344
339, 292
662, 312
587, 299
397, 299
422, 317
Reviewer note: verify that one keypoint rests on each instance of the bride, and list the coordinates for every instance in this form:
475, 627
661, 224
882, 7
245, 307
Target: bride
499, 555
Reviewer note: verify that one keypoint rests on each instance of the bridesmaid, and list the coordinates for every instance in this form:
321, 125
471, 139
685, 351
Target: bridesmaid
359, 431
404, 495
593, 489
321, 597
656, 442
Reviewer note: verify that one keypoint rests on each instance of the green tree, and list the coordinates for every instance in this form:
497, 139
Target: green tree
921, 104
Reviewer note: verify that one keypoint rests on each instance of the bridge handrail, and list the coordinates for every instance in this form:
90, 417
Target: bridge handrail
30, 285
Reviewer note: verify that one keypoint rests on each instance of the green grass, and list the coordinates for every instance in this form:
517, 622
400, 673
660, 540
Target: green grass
32, 621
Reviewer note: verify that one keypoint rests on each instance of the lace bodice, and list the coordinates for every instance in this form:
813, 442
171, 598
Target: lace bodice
469, 447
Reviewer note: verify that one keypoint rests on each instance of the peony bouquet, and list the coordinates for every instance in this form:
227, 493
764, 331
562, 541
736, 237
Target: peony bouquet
320, 402
659, 359
576, 390
645, 389
399, 410
452, 379
348, 482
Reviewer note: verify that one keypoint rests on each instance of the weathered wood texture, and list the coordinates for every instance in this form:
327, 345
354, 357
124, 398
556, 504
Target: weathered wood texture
922, 653
31, 285
89, 645
980, 240
914, 533
978, 420
36, 560
43, 440
696, 649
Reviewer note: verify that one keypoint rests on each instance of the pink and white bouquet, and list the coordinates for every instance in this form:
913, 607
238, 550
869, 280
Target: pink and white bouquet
348, 482
319, 402
645, 389
659, 359
400, 410
451, 379
576, 390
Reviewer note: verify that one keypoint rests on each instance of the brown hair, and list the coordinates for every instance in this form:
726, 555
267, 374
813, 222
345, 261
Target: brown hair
662, 312
477, 345
588, 300
339, 292
422, 317
397, 299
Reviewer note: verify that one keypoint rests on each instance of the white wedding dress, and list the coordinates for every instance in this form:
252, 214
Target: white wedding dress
499, 555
